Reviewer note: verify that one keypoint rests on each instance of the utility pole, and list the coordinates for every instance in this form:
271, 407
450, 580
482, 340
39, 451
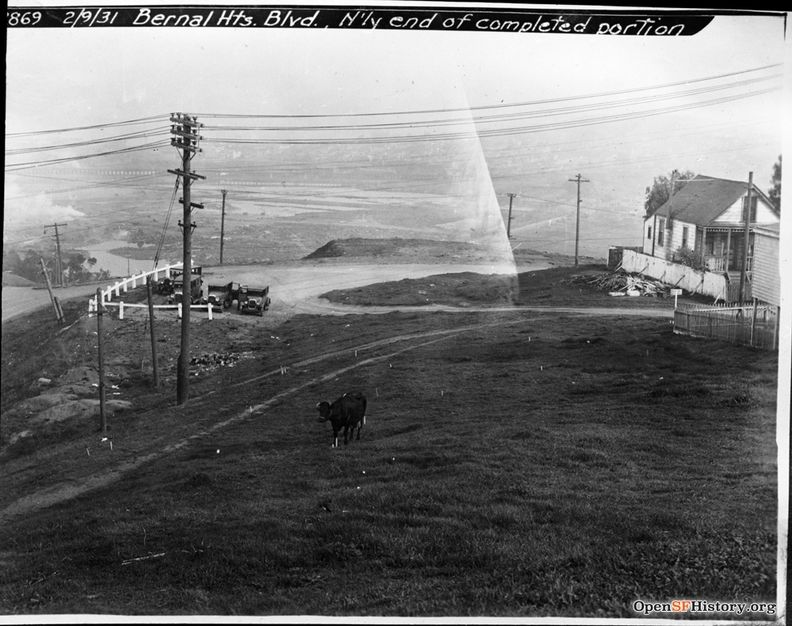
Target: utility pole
747, 239
154, 368
99, 312
53, 299
185, 138
579, 180
508, 223
222, 226
58, 259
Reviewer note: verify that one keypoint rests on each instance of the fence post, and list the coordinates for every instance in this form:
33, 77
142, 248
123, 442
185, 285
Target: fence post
209, 309
775, 327
753, 322
121, 310
179, 308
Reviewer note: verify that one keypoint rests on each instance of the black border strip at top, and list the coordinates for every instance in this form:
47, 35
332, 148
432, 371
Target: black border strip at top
557, 20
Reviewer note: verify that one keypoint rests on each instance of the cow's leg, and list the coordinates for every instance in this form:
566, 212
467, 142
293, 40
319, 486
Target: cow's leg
346, 435
335, 438
360, 426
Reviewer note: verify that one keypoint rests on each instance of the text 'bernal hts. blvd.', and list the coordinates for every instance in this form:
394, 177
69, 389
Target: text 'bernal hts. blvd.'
512, 21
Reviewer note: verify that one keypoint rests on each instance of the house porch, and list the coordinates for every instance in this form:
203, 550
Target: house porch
722, 249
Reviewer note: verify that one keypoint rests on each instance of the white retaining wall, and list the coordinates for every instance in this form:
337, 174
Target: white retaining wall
681, 276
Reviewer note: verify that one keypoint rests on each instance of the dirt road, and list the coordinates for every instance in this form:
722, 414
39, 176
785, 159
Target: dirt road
293, 288
19, 300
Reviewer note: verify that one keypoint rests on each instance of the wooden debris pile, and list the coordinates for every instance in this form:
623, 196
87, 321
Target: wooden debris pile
208, 362
620, 283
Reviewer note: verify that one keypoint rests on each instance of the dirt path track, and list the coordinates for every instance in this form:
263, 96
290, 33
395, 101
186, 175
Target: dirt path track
114, 471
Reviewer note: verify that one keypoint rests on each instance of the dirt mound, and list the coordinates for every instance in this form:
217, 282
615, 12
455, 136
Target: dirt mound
36, 404
410, 249
81, 374
85, 408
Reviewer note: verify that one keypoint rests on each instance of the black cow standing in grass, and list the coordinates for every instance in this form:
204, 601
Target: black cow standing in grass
348, 412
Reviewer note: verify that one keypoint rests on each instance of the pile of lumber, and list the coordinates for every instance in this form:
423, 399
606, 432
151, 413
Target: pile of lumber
208, 362
620, 283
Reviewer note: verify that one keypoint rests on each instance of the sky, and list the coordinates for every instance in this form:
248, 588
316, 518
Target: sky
62, 78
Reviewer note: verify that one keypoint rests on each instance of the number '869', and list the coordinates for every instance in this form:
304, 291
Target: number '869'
23, 18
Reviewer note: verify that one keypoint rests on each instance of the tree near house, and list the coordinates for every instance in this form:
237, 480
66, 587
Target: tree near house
660, 191
775, 190
686, 256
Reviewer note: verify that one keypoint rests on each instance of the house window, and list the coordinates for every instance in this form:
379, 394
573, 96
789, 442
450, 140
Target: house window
753, 208
649, 232
660, 232
684, 236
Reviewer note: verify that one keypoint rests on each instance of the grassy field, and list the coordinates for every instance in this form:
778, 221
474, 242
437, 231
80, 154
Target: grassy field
527, 465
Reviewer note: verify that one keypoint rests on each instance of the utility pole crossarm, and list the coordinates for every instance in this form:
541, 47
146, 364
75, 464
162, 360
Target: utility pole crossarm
194, 205
191, 175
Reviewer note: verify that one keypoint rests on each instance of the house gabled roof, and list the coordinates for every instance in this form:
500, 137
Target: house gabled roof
704, 198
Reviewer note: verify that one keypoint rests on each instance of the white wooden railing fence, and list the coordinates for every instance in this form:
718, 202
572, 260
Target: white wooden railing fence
106, 295
177, 306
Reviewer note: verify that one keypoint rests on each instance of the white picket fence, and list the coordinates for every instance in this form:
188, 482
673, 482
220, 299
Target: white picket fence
121, 305
106, 295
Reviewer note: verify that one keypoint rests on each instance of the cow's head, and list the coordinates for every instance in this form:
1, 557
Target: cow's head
324, 411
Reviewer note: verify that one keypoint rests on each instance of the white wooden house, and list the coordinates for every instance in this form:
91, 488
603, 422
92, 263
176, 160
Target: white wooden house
706, 219
766, 284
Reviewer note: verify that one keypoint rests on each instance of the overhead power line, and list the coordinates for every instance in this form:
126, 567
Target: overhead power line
503, 117
495, 106
89, 142
141, 120
498, 132
472, 133
12, 167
